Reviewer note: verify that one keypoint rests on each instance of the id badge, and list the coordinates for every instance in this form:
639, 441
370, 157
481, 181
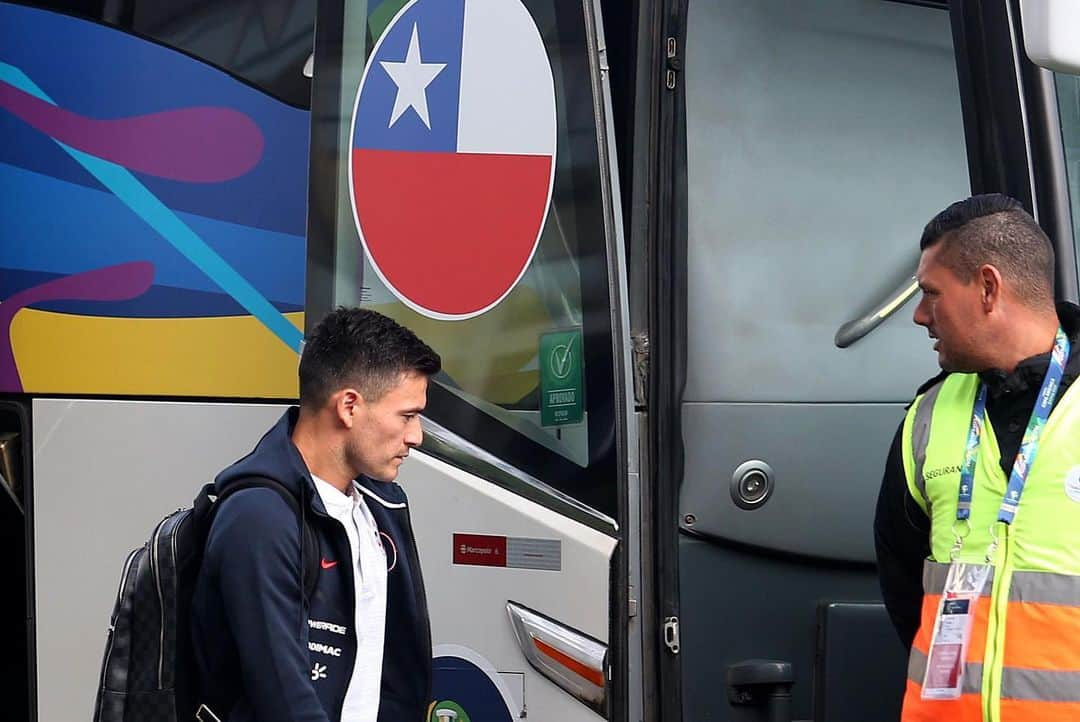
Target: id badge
945, 665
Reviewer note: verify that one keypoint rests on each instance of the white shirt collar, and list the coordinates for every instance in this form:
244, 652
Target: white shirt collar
333, 498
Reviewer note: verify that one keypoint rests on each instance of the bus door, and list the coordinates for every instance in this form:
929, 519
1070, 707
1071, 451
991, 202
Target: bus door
810, 144
814, 141
461, 183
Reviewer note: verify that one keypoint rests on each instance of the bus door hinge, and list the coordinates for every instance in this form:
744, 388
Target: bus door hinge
671, 634
639, 357
674, 64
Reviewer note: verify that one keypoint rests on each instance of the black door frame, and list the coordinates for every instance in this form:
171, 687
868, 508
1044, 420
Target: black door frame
1011, 123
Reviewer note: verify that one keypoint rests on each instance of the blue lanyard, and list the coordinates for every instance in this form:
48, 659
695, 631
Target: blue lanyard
1028, 446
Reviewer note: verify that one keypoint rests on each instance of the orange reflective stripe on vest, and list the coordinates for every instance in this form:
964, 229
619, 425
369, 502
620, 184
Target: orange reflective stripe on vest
934, 574
1042, 695
1043, 610
1024, 652
1013, 710
1040, 676
968, 708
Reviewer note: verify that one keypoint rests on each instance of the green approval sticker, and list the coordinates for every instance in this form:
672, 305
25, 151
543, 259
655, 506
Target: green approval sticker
562, 393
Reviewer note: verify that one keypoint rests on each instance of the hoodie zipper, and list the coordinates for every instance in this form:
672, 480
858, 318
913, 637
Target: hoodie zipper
419, 592
414, 560
350, 580
399, 512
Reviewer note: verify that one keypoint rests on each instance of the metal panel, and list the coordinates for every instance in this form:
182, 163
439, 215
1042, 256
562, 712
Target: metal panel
827, 458
105, 472
846, 688
738, 605
468, 603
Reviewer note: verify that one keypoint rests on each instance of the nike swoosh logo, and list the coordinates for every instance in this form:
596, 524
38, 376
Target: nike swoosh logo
327, 564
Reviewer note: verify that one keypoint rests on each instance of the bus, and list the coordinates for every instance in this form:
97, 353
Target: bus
664, 248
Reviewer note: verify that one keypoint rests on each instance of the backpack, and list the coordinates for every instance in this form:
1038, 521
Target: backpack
148, 670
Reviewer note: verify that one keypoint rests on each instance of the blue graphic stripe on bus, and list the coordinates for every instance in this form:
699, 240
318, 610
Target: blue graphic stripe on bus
122, 183
383, 97
101, 72
75, 229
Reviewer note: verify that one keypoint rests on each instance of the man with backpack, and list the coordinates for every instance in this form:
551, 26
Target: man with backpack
269, 643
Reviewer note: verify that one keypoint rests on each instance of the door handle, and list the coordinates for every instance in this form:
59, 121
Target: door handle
762, 683
855, 329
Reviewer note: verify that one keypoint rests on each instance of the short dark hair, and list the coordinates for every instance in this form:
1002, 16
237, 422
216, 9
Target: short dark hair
361, 348
995, 229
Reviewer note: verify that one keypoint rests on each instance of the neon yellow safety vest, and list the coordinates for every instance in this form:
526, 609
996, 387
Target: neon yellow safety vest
1023, 661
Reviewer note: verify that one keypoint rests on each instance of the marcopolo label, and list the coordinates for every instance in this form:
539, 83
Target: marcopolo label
480, 550
514, 552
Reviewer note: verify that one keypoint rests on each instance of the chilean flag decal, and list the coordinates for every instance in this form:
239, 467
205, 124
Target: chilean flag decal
453, 153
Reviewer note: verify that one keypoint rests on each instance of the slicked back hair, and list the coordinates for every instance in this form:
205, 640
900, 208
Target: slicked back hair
995, 229
363, 349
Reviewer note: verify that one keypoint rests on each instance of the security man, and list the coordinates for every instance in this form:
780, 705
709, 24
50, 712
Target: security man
977, 527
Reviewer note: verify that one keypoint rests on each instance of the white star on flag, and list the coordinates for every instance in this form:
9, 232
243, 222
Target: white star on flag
412, 78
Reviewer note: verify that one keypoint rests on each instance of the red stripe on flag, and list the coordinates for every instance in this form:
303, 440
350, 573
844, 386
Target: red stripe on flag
451, 232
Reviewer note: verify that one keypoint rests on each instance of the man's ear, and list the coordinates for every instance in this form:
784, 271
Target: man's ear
990, 286
347, 403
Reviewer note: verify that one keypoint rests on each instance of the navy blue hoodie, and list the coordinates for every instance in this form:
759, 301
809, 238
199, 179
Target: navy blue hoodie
260, 654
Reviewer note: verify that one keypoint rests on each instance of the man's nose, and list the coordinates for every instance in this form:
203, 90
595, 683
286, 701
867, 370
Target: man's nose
921, 316
414, 434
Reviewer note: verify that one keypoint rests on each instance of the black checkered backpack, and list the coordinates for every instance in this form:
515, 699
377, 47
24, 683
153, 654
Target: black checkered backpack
148, 671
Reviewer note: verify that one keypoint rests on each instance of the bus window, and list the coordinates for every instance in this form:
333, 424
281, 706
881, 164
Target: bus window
529, 377
821, 139
1068, 94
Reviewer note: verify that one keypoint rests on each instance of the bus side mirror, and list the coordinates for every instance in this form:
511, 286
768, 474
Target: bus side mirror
1052, 33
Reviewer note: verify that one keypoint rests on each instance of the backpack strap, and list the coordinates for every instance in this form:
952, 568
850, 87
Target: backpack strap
309, 568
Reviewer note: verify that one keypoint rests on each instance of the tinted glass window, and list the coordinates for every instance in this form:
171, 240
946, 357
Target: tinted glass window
1068, 92
822, 136
529, 379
